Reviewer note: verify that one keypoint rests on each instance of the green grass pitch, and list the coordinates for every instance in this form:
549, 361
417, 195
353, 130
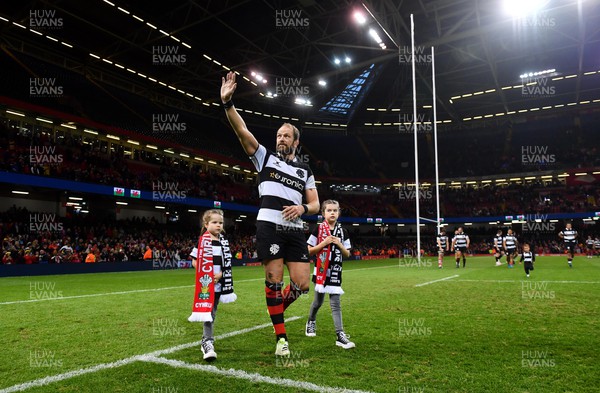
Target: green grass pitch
416, 328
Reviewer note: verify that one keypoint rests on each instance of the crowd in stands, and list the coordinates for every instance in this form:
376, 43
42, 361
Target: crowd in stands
87, 240
90, 162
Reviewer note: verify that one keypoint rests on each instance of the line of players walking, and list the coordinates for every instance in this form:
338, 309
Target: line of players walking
508, 245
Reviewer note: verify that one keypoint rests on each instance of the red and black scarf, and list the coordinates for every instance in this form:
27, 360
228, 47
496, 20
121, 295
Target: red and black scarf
329, 259
204, 294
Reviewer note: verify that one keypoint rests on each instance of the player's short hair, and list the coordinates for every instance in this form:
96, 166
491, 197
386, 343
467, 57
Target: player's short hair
294, 129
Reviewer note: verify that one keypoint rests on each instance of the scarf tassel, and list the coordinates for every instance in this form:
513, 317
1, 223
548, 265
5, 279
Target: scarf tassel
228, 298
200, 317
332, 290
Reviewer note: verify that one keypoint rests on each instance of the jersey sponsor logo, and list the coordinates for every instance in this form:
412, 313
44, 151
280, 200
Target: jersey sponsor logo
285, 180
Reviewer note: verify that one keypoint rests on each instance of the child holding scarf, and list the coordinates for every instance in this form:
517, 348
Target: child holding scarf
214, 281
330, 243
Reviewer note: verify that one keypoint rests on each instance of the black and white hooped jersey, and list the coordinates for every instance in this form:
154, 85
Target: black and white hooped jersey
569, 235
498, 241
510, 241
281, 183
442, 241
590, 243
528, 257
596, 243
461, 239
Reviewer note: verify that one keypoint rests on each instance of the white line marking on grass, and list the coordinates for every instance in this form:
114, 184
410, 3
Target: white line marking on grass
111, 293
148, 290
71, 374
369, 268
253, 377
438, 280
103, 366
524, 280
222, 336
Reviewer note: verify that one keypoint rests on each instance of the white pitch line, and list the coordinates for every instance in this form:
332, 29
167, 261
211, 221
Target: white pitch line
369, 268
441, 279
524, 280
103, 366
111, 293
252, 377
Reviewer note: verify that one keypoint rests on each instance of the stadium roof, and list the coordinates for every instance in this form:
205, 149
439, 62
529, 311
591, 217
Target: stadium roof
177, 51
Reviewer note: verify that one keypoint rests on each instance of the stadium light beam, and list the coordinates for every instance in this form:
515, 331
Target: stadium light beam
519, 8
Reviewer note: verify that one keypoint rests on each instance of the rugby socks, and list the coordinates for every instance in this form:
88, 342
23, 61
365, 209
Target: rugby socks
290, 294
464, 261
275, 307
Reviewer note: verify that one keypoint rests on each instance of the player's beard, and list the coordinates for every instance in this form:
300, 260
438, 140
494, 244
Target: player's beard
285, 150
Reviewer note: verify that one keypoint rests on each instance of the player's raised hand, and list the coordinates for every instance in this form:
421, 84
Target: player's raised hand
228, 86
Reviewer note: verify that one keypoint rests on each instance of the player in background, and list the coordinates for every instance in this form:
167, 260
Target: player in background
510, 244
589, 244
498, 247
443, 246
597, 246
528, 257
460, 244
569, 236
